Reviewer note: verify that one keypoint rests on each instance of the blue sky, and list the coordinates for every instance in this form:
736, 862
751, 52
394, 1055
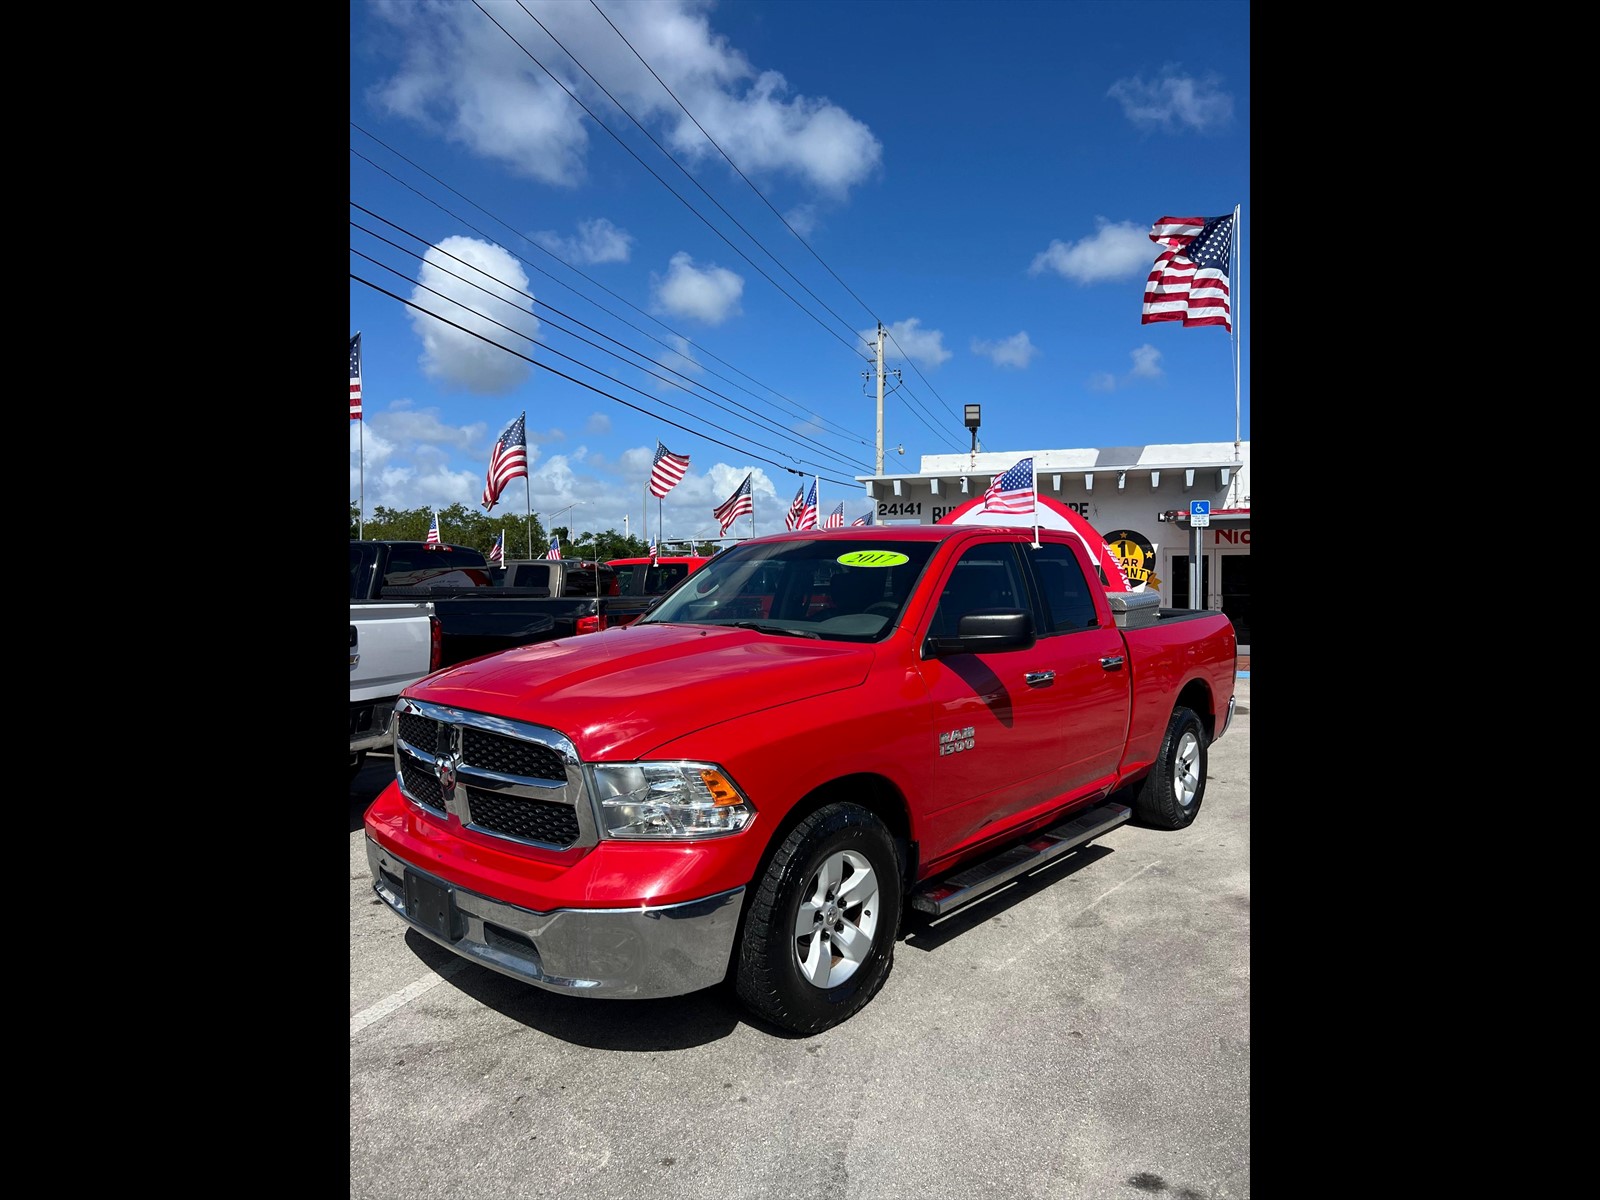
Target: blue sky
980, 178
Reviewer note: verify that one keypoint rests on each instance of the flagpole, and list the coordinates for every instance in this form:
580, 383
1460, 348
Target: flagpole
1035, 465
361, 519
1238, 321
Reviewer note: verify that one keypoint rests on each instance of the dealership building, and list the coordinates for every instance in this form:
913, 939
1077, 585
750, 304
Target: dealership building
1163, 509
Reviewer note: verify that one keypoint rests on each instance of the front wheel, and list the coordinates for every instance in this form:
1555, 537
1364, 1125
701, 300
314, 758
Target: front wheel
1170, 795
819, 939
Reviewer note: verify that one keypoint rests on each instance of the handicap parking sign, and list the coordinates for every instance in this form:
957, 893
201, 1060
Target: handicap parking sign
1199, 513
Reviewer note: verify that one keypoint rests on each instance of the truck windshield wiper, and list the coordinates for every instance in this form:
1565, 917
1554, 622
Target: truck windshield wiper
768, 627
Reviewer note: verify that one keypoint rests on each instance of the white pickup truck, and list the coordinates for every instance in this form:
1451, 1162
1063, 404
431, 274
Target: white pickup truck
393, 643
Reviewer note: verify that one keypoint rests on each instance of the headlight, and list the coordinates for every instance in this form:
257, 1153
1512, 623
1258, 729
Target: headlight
668, 800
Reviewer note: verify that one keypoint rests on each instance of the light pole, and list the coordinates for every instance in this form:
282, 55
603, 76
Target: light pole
553, 516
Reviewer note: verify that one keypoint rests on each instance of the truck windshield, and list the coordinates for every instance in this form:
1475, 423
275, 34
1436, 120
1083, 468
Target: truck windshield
834, 588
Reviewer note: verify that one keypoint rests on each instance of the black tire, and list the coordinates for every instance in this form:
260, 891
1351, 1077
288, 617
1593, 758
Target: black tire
1170, 795
806, 961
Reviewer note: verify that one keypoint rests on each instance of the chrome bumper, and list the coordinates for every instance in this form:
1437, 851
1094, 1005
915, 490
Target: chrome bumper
638, 953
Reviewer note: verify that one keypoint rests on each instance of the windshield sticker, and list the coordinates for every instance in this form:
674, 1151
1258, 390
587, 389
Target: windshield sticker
871, 558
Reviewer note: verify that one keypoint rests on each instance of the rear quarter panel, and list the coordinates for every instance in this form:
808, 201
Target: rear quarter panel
1187, 657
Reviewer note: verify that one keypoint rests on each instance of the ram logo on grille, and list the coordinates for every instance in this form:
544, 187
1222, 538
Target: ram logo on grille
444, 766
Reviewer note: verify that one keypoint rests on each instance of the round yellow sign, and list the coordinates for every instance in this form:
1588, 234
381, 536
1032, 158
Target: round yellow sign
871, 558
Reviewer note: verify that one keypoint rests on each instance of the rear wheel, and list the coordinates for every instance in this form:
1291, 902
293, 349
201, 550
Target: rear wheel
819, 939
1170, 795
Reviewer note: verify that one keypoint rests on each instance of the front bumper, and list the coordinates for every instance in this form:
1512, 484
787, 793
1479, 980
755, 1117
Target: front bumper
637, 953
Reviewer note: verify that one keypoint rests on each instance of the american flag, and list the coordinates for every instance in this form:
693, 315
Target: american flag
864, 519
808, 513
791, 519
1189, 282
508, 461
1013, 491
836, 518
497, 552
667, 469
433, 532
736, 505
355, 378
555, 547
652, 550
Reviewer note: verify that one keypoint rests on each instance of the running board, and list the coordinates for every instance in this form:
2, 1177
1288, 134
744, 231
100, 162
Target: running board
939, 896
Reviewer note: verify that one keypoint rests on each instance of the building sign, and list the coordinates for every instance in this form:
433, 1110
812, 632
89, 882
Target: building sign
1137, 554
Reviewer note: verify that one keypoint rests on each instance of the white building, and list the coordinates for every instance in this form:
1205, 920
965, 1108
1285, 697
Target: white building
1138, 497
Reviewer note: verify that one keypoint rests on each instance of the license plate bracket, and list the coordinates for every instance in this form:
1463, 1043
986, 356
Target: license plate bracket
431, 903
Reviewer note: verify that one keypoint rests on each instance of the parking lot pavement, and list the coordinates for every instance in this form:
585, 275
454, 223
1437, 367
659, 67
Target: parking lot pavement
1081, 1034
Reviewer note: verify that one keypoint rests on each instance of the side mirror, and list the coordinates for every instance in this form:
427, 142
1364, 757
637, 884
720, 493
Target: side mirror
984, 632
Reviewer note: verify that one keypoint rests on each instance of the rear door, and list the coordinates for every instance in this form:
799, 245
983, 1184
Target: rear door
1089, 688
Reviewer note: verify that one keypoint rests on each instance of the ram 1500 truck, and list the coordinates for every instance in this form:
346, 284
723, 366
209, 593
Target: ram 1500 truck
643, 581
817, 730
484, 608
392, 643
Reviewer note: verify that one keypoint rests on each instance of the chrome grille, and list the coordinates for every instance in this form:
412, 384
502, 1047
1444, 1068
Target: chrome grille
527, 820
503, 778
509, 756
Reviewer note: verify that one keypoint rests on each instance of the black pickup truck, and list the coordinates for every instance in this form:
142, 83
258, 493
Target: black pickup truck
484, 608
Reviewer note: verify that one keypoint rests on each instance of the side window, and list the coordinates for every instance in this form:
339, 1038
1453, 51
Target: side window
983, 577
1067, 599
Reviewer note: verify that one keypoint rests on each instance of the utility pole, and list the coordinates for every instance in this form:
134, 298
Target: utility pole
880, 374
880, 397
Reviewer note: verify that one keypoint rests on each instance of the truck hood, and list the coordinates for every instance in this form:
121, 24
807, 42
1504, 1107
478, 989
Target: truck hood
621, 693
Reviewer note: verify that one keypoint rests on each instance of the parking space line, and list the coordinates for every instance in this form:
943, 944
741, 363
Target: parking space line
403, 997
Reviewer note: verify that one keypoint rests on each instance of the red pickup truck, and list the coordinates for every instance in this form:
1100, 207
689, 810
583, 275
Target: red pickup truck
751, 783
641, 580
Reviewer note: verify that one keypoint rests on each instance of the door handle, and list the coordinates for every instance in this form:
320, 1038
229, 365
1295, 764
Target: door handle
1112, 662
1039, 678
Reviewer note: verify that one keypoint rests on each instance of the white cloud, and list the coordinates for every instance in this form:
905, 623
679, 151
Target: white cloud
1173, 102
481, 287
903, 339
710, 294
1016, 351
1113, 251
1146, 363
597, 241
462, 77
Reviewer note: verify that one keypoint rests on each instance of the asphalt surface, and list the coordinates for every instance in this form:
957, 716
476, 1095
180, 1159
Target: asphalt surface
1081, 1034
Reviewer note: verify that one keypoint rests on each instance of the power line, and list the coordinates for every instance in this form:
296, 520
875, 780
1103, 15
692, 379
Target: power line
686, 172
753, 188
804, 412
754, 265
753, 416
589, 386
